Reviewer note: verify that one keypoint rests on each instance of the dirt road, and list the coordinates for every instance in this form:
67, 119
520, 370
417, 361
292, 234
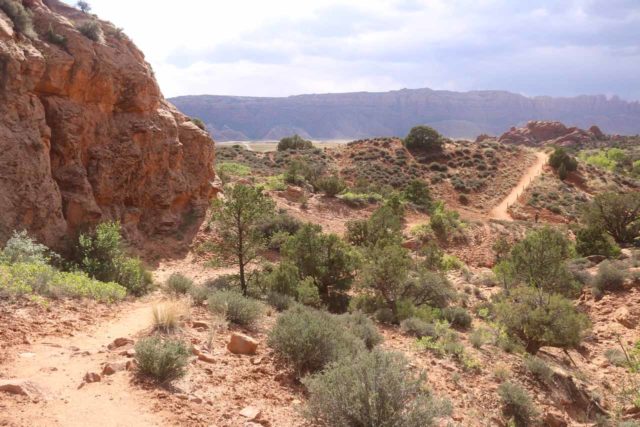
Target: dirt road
500, 212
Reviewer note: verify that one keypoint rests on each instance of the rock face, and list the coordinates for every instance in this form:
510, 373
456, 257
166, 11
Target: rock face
86, 135
541, 132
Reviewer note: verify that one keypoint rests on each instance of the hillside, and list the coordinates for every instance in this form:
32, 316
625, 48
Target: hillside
364, 115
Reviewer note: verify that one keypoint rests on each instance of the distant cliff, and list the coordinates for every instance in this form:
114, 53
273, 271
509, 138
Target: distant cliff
362, 114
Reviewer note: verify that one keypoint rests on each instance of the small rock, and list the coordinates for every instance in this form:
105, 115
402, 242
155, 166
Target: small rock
119, 342
250, 412
196, 399
554, 418
242, 344
626, 318
182, 396
195, 350
92, 377
128, 353
113, 367
596, 259
21, 387
199, 324
205, 357
256, 360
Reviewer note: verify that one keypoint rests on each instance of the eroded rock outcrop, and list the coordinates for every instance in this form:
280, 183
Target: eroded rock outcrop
544, 132
86, 135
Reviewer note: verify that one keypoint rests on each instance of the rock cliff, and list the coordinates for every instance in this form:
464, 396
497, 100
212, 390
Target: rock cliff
86, 135
544, 133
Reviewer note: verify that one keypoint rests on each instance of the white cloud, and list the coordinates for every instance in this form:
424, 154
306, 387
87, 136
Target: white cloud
285, 47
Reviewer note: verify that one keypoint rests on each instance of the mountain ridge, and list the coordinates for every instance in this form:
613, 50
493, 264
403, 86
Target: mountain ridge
368, 114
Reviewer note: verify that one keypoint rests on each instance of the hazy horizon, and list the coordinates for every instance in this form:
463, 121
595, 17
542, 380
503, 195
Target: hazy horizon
283, 47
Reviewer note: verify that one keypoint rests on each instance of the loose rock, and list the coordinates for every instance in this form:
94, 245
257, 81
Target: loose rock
242, 344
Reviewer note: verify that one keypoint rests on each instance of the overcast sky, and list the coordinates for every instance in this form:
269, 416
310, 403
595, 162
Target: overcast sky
286, 47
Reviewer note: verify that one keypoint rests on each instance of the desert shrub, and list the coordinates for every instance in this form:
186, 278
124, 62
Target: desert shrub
331, 185
517, 404
21, 248
540, 320
451, 262
616, 214
458, 317
163, 359
384, 225
20, 16
417, 327
432, 256
326, 258
417, 192
295, 142
167, 316
92, 30
423, 138
279, 301
307, 293
199, 294
84, 6
279, 223
131, 273
178, 285
55, 38
444, 222
222, 283
479, 337
609, 278
562, 162
594, 241
236, 308
360, 199
362, 327
198, 122
616, 357
310, 340
284, 279
538, 368
375, 389
429, 288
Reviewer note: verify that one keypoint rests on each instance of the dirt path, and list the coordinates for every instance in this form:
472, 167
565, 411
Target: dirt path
58, 366
500, 212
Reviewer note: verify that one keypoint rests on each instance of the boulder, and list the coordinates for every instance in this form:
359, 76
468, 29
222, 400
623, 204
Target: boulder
250, 412
242, 344
92, 377
119, 342
627, 317
596, 259
21, 387
113, 367
206, 357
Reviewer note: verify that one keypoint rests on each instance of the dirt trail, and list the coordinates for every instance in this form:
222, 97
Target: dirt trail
58, 366
500, 212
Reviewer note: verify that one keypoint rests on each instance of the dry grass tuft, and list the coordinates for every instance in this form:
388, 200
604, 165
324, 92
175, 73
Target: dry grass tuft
168, 317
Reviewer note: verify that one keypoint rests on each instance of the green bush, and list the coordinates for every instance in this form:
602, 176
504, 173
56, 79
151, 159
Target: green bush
279, 223
362, 327
21, 248
616, 214
310, 340
540, 320
423, 138
562, 162
20, 16
331, 185
199, 294
236, 308
538, 368
279, 301
295, 142
375, 389
417, 192
92, 30
458, 317
284, 279
417, 327
178, 285
517, 404
163, 360
479, 337
131, 273
198, 122
429, 288
610, 277
594, 241
307, 293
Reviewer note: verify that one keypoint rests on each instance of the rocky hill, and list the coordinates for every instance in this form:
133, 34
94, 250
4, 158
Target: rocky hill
363, 115
85, 133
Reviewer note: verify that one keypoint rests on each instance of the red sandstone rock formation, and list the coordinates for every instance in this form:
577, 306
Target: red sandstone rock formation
86, 135
542, 132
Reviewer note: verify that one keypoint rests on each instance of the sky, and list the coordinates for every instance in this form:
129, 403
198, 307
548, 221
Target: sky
288, 47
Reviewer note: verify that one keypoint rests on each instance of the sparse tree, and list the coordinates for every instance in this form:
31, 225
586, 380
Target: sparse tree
617, 214
84, 6
237, 218
423, 138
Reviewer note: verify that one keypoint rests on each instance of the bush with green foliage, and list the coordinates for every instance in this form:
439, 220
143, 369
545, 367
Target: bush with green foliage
430, 288
362, 327
278, 223
55, 38
326, 258
445, 223
20, 16
307, 293
310, 340
92, 30
279, 301
178, 285
562, 162
20, 248
517, 404
610, 277
458, 317
84, 6
198, 122
594, 241
331, 186
162, 359
295, 142
538, 319
384, 225
417, 327
616, 214
375, 389
417, 192
284, 279
100, 254
538, 368
236, 308
423, 138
